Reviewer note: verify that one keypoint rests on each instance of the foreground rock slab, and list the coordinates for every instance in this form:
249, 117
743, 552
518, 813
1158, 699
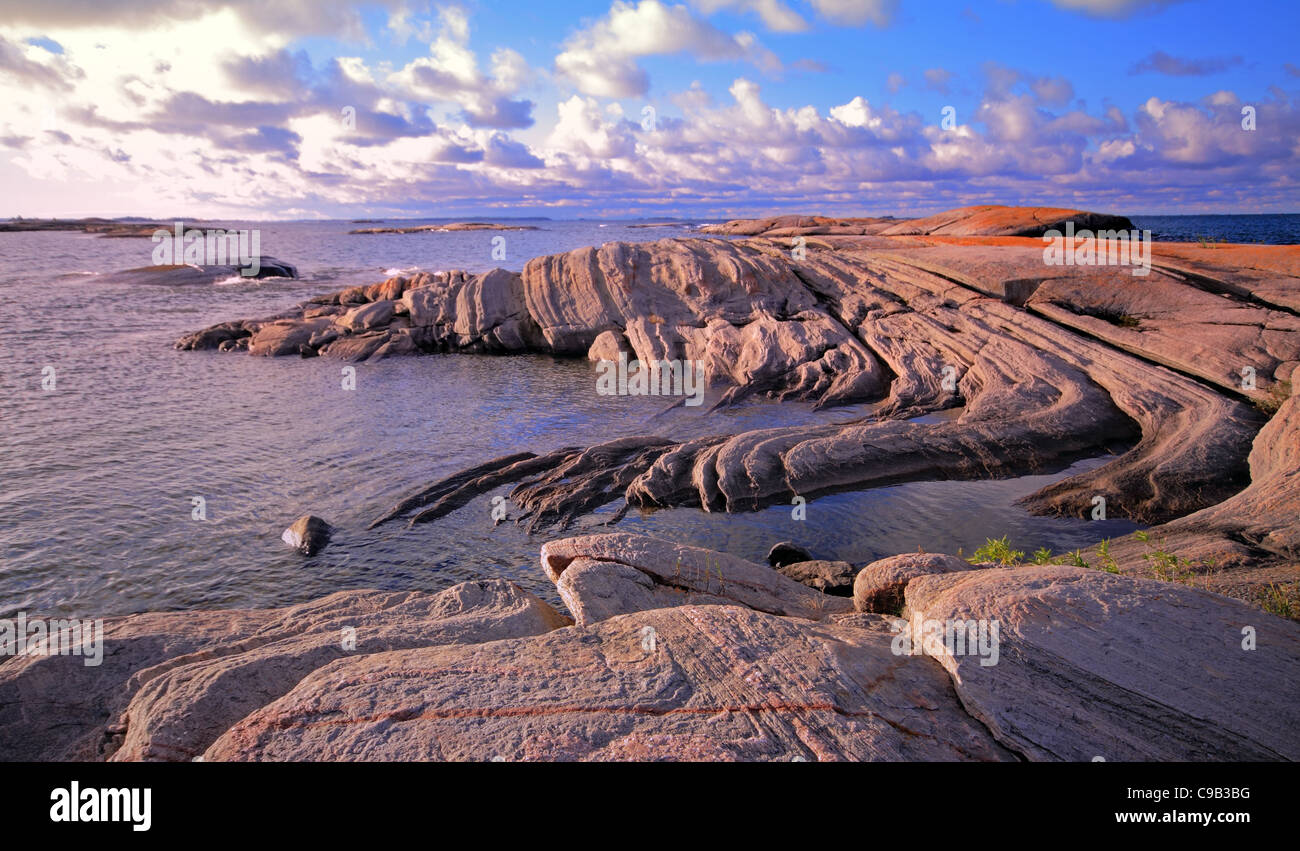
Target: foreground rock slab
170, 683
1092, 664
684, 683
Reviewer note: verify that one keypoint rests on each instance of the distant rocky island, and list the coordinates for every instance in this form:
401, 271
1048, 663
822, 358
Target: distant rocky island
103, 227
455, 226
1179, 642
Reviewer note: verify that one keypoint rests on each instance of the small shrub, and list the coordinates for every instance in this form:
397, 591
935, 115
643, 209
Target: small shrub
999, 551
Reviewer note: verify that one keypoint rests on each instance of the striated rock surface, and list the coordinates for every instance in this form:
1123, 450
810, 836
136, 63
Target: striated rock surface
1096, 665
684, 683
1081, 664
599, 576
170, 683
1247, 546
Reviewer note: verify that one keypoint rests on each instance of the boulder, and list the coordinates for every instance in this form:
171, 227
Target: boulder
367, 317
308, 535
787, 552
879, 586
599, 576
829, 577
607, 346
285, 337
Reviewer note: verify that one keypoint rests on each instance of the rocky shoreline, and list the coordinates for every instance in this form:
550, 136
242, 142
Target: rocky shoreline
680, 653
1133, 650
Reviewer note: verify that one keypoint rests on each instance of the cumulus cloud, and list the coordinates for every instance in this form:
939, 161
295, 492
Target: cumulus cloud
220, 115
34, 65
601, 60
776, 16
288, 16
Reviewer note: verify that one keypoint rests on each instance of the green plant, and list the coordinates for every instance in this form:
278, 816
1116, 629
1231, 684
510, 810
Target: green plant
1043, 555
1076, 559
999, 551
1168, 566
1277, 601
1108, 562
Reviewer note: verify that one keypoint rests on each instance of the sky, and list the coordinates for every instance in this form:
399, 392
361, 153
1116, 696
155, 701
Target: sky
707, 109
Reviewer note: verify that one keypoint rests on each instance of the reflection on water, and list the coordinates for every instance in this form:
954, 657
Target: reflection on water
97, 476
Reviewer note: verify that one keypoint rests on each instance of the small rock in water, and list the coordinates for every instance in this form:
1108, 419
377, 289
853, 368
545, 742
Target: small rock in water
308, 535
787, 552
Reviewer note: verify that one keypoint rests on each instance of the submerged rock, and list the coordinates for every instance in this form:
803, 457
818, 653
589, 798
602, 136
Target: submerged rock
787, 552
308, 535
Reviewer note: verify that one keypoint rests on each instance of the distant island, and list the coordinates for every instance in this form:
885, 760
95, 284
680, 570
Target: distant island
455, 226
103, 227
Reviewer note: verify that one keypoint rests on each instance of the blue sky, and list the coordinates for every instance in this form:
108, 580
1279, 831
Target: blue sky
241, 108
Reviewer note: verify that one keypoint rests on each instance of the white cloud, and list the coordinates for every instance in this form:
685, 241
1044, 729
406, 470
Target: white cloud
601, 60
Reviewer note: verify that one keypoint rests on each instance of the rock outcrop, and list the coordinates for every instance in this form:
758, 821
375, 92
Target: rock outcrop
1046, 363
182, 274
716, 683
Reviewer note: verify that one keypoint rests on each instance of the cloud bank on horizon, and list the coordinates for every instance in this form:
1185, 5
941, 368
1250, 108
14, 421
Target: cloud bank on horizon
702, 108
